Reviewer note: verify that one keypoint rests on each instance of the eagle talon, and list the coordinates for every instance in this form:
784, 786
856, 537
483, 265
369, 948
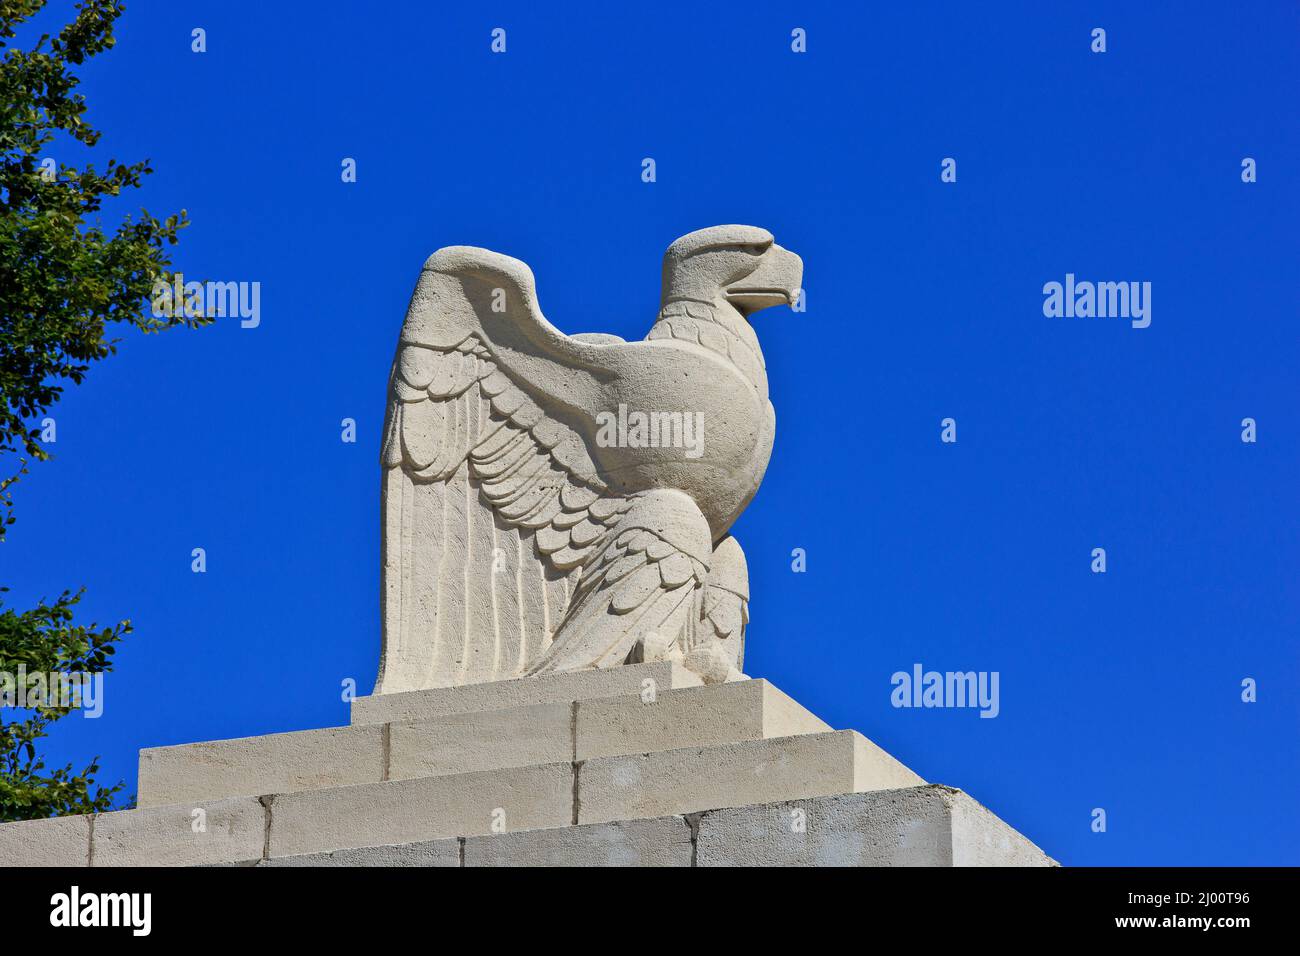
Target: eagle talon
712, 665
656, 647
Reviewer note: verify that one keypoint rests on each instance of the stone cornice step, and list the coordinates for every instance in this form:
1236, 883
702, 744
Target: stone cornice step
929, 825
544, 689
596, 790
464, 742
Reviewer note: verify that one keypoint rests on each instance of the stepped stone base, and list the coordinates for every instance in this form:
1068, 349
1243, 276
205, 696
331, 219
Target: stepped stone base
929, 825
442, 742
635, 766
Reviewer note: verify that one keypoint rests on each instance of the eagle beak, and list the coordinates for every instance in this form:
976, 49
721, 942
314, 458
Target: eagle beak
776, 281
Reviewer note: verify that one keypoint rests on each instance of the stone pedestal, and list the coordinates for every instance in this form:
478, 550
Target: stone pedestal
636, 765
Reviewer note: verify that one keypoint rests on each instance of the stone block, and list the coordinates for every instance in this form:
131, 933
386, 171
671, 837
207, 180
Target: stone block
757, 771
980, 838
545, 689
694, 717
915, 826
665, 841
252, 766
58, 841
440, 853
421, 809
486, 740
226, 830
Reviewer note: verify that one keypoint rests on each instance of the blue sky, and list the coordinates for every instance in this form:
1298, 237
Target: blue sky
1119, 691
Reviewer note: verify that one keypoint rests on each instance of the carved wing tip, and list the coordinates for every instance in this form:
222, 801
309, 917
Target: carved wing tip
458, 260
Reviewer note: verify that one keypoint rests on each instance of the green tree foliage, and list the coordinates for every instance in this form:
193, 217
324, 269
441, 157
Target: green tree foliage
63, 281
45, 640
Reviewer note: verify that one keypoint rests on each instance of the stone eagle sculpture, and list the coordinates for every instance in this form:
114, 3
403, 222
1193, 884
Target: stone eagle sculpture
523, 531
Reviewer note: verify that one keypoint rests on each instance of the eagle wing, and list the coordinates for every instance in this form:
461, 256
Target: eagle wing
490, 505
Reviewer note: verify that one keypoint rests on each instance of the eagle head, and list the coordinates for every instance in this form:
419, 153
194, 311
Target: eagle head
737, 265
